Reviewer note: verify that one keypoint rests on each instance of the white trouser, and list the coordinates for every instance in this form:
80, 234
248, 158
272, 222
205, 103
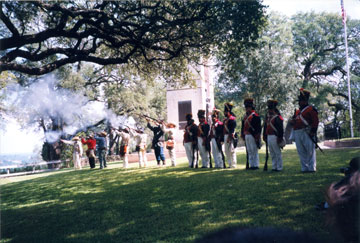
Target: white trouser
172, 156
306, 150
252, 150
203, 153
126, 160
230, 152
216, 154
142, 158
275, 152
189, 152
77, 161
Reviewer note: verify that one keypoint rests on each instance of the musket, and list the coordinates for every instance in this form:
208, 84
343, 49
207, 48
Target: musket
266, 157
209, 154
119, 129
247, 157
210, 159
316, 144
266, 144
208, 143
147, 117
193, 155
221, 152
197, 156
84, 129
133, 129
153, 119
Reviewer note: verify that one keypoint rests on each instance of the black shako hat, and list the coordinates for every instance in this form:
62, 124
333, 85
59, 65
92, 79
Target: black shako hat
215, 113
271, 104
188, 116
201, 114
228, 107
249, 102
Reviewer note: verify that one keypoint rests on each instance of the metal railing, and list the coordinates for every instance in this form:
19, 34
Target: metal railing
8, 168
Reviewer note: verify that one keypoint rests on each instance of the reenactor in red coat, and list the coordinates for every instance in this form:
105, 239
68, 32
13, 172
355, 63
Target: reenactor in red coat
273, 134
203, 139
229, 135
90, 152
305, 124
190, 139
251, 133
217, 138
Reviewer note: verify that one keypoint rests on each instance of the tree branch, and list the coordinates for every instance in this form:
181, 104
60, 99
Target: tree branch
8, 23
353, 102
152, 31
327, 72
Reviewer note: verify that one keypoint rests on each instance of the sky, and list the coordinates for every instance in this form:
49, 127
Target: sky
15, 140
291, 7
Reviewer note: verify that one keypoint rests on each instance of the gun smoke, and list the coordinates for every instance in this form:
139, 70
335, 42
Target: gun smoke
45, 102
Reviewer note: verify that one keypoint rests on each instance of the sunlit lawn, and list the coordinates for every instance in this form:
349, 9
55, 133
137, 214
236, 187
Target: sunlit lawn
166, 204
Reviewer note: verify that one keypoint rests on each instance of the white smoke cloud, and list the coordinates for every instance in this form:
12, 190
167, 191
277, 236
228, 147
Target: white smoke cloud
52, 136
43, 100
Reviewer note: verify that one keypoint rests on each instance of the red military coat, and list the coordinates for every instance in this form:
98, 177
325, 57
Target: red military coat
307, 117
91, 143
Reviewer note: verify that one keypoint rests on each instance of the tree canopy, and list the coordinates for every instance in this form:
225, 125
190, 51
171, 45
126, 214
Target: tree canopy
306, 51
39, 37
319, 51
264, 71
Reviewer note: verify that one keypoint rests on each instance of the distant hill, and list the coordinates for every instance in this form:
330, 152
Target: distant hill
16, 159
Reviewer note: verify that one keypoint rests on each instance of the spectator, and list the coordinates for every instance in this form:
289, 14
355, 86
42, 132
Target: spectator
90, 152
344, 201
354, 166
157, 142
170, 129
102, 148
77, 151
258, 235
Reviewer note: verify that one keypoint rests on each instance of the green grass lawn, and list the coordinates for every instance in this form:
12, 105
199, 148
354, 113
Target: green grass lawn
169, 204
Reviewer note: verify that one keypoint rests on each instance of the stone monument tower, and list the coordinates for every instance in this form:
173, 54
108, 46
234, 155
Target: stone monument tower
184, 100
